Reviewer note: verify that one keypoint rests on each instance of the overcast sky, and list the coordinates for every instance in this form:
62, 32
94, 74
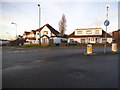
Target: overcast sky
78, 15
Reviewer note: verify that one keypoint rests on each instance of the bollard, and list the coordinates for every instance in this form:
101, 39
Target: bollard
89, 49
114, 47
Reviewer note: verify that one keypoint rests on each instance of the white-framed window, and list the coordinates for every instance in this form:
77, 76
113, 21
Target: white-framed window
82, 40
104, 40
45, 32
92, 39
96, 31
88, 32
37, 33
71, 39
79, 32
44, 39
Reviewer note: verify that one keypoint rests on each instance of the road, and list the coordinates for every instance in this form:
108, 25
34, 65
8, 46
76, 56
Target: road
58, 68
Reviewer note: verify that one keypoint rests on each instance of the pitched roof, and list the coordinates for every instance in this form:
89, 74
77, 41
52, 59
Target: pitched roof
103, 34
26, 33
31, 38
34, 31
88, 28
72, 35
116, 31
51, 29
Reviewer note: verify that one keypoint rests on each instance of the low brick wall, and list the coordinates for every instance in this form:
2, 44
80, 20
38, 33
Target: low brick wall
94, 44
45, 43
63, 44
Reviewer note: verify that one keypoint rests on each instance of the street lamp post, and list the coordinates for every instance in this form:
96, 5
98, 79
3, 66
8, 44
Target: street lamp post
16, 28
106, 23
39, 26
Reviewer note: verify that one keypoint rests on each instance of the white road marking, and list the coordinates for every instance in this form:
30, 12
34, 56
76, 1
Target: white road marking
9, 52
19, 51
36, 61
34, 50
15, 51
22, 51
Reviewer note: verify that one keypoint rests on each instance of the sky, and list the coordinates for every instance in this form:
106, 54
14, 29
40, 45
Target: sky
78, 15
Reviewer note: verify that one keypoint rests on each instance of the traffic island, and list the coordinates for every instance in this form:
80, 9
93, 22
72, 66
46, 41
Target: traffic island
89, 50
90, 54
112, 52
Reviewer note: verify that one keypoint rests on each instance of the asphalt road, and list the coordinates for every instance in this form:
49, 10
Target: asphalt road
58, 68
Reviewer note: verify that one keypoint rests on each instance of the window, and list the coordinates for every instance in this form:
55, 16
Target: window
58, 35
44, 39
92, 39
82, 40
97, 32
79, 32
104, 40
45, 32
71, 40
88, 32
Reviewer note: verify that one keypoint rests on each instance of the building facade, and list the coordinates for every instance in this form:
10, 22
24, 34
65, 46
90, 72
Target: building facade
116, 36
45, 35
90, 35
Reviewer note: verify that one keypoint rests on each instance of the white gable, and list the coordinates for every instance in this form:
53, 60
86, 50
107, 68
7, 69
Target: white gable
46, 29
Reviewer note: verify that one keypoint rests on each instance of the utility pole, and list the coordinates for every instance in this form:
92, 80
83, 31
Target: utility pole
106, 23
39, 25
16, 27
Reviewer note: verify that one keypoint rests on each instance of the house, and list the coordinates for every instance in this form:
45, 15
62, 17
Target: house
90, 35
46, 35
30, 37
116, 36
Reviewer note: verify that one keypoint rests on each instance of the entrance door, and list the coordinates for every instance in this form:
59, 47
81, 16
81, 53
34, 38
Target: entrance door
44, 39
97, 40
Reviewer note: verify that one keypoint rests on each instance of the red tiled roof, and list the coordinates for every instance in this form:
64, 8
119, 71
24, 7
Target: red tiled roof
26, 33
34, 31
31, 38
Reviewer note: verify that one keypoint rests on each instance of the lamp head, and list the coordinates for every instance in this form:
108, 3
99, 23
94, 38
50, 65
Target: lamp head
107, 5
38, 5
12, 23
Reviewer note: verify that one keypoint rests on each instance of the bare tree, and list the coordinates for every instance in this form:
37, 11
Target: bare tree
62, 25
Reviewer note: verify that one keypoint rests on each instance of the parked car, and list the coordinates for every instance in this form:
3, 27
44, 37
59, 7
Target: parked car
72, 43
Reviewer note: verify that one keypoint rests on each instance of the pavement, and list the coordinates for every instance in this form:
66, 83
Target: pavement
58, 68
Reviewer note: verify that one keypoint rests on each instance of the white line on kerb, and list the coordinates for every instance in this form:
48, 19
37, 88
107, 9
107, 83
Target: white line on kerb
15, 51
22, 51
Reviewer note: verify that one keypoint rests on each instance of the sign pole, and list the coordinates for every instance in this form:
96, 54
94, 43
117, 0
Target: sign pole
106, 23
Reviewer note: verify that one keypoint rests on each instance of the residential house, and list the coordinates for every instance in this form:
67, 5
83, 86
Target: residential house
30, 37
46, 35
90, 35
116, 36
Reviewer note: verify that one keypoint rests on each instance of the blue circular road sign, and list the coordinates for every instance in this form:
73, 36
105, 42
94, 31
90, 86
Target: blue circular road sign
106, 23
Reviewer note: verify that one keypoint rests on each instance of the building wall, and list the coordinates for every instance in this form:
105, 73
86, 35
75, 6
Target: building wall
90, 40
59, 39
49, 34
79, 32
109, 40
116, 36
